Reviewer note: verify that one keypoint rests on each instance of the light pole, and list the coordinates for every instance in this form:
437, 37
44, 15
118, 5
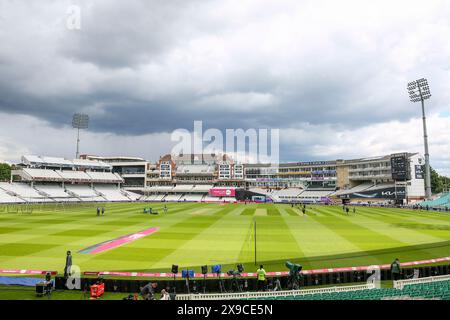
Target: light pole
419, 91
79, 121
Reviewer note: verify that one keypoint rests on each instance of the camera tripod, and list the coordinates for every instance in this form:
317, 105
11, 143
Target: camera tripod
221, 284
236, 284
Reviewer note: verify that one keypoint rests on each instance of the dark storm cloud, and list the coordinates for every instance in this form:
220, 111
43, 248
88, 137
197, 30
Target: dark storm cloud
324, 87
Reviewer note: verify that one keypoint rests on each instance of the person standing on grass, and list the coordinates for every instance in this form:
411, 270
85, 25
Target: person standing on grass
165, 209
261, 274
396, 270
68, 265
354, 210
347, 210
103, 211
98, 211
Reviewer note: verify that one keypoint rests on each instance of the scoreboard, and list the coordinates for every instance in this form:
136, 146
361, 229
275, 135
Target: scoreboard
400, 167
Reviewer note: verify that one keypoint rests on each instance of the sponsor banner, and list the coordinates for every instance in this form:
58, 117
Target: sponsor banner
251, 274
385, 193
34, 272
222, 192
213, 275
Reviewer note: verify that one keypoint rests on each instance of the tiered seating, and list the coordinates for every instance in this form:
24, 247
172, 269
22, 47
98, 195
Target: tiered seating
286, 194
192, 197
172, 197
111, 193
380, 186
84, 192
427, 290
76, 176
210, 199
134, 196
202, 188
105, 177
160, 188
24, 191
151, 197
358, 188
6, 198
443, 200
183, 188
158, 197
42, 174
423, 288
55, 192
262, 191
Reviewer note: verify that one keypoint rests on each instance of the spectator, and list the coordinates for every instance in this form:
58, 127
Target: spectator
148, 291
277, 285
164, 295
261, 274
395, 269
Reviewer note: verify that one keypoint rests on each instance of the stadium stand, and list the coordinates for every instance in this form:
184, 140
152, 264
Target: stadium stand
314, 195
111, 193
441, 201
55, 192
132, 196
24, 191
172, 197
74, 176
202, 188
192, 197
84, 193
5, 197
104, 177
42, 175
286, 194
207, 198
183, 188
157, 197
422, 288
358, 188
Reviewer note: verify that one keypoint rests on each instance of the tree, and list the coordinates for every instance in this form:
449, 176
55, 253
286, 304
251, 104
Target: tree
5, 172
438, 182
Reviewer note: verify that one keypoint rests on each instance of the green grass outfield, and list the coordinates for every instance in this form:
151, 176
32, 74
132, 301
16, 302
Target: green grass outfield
192, 235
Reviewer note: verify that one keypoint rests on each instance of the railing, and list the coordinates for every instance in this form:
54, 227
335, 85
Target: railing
262, 295
400, 284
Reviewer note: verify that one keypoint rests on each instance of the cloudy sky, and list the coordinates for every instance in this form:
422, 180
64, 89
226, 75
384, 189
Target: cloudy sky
331, 75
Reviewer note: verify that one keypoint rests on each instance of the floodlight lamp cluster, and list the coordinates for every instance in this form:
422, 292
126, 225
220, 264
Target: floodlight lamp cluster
80, 121
419, 90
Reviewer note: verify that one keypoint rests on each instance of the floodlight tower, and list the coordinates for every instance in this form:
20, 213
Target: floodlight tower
419, 91
79, 121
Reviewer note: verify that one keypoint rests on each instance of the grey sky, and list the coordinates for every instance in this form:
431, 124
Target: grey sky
330, 74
